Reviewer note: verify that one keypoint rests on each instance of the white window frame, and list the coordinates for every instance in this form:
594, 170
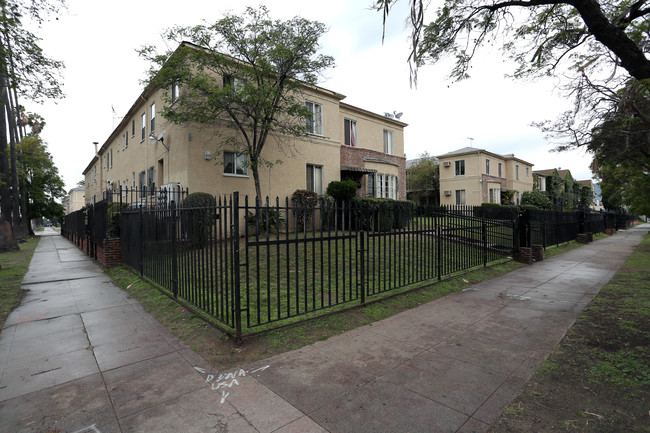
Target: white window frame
460, 197
174, 92
152, 120
143, 133
459, 167
350, 137
238, 161
487, 166
389, 144
517, 173
500, 170
314, 178
314, 124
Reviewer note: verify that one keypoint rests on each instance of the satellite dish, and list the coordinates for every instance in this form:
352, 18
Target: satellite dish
388, 115
160, 137
398, 115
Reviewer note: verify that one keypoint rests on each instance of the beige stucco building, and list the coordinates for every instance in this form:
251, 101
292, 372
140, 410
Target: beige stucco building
344, 142
471, 176
75, 200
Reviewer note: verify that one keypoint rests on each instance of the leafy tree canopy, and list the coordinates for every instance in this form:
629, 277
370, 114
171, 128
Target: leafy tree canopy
423, 178
42, 180
536, 198
244, 72
24, 64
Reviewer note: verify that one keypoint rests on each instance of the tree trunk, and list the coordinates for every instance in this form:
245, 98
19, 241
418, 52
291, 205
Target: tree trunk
613, 37
18, 222
7, 241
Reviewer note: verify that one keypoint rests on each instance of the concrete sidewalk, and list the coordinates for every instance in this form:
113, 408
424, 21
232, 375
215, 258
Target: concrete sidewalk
79, 355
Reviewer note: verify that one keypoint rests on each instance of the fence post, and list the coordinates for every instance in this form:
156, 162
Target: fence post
172, 208
484, 234
438, 246
236, 264
362, 259
141, 230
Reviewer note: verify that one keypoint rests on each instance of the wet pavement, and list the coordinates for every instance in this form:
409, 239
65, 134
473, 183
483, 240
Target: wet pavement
79, 355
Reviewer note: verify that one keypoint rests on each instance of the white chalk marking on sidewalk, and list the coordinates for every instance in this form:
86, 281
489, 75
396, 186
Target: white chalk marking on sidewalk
225, 380
93, 428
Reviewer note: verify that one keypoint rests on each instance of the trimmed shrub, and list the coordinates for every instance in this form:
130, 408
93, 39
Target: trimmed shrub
343, 190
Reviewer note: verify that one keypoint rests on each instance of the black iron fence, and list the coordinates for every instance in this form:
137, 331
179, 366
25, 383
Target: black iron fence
253, 265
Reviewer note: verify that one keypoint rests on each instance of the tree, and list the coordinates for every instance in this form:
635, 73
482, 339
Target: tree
538, 34
596, 47
423, 179
244, 77
24, 71
536, 198
621, 148
42, 180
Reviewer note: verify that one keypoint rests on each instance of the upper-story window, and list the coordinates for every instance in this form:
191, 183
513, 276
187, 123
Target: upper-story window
527, 171
315, 120
153, 118
174, 92
350, 133
460, 167
126, 139
517, 172
236, 83
388, 142
143, 133
235, 163
500, 170
133, 128
487, 166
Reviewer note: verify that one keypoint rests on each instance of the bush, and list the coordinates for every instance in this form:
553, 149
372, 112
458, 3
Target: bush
304, 202
538, 199
382, 214
197, 218
343, 190
113, 219
266, 219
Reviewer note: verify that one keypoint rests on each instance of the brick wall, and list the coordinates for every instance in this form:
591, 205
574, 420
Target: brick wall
110, 253
357, 157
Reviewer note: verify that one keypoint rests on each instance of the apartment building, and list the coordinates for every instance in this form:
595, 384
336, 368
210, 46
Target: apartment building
343, 142
471, 176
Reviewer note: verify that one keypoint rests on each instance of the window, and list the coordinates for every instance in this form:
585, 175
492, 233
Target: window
141, 181
517, 173
385, 186
527, 172
460, 197
133, 128
143, 135
174, 91
133, 173
495, 195
126, 140
460, 167
487, 167
235, 163
236, 83
388, 142
500, 169
111, 159
350, 133
315, 178
371, 185
153, 118
315, 120
151, 180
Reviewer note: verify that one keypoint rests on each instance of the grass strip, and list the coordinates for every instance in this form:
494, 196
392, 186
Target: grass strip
13, 267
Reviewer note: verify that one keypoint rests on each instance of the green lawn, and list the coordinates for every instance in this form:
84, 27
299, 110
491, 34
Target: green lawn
13, 267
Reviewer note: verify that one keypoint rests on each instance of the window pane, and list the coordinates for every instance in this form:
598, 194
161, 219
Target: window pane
388, 142
229, 162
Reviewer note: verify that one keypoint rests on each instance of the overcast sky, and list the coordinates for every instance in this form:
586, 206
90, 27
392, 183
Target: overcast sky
97, 41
